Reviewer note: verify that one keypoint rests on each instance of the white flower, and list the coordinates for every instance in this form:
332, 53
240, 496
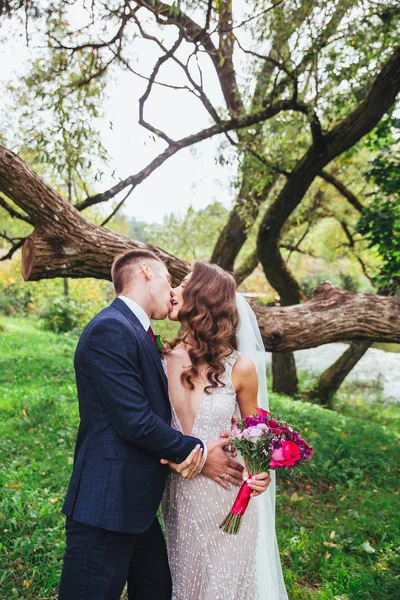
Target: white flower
236, 433
262, 426
252, 434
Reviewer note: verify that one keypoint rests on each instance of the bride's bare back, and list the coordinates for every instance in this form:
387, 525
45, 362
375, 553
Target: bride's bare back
186, 402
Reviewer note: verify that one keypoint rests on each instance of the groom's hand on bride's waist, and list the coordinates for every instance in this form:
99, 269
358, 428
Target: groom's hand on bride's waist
220, 467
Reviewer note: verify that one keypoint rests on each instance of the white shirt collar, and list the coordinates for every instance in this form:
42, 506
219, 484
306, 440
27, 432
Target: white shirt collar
138, 311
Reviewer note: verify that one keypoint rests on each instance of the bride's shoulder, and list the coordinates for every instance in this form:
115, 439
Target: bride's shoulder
244, 375
244, 368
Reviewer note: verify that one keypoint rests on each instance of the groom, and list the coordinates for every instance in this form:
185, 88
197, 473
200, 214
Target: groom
113, 534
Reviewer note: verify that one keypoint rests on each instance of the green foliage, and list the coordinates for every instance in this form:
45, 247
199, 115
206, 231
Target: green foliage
191, 236
342, 280
86, 298
380, 221
138, 230
14, 300
57, 105
61, 315
337, 523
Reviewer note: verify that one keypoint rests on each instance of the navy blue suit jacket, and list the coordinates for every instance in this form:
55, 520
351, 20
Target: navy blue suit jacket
117, 479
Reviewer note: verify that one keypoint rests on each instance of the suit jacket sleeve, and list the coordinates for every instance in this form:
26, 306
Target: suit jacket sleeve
110, 359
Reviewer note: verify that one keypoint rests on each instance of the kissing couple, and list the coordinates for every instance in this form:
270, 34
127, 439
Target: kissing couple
154, 429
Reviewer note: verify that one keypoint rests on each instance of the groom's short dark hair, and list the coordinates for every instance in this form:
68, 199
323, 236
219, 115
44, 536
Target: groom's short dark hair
121, 270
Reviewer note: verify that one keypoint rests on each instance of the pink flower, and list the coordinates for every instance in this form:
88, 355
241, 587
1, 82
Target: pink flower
305, 450
285, 456
236, 433
252, 434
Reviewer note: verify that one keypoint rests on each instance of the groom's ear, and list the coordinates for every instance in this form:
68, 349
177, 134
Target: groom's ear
144, 267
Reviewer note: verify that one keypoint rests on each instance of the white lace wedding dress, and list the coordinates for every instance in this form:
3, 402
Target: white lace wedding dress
206, 563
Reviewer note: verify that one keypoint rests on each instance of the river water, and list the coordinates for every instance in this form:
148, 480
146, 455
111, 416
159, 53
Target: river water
376, 366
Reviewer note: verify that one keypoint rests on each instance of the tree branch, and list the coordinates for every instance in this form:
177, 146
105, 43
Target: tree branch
146, 94
222, 127
16, 243
166, 14
363, 118
199, 88
125, 16
116, 209
354, 201
15, 214
246, 268
352, 247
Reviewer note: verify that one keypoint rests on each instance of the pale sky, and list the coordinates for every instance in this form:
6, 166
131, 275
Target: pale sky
192, 176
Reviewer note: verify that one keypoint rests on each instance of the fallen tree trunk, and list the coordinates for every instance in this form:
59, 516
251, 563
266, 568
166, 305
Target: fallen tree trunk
332, 315
65, 244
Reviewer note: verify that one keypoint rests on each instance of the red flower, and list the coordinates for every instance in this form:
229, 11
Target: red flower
251, 421
275, 428
263, 413
285, 456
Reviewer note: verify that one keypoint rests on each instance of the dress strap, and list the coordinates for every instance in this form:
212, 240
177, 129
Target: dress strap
229, 363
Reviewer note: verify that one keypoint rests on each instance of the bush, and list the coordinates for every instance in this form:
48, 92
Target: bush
44, 298
14, 300
61, 314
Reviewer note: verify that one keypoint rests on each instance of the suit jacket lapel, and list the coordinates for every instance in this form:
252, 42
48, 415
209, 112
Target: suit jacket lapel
132, 318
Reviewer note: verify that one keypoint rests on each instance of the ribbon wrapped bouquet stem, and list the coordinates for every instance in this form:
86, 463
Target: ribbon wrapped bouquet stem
265, 443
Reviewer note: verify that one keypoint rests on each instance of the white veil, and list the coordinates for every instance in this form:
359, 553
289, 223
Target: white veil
270, 583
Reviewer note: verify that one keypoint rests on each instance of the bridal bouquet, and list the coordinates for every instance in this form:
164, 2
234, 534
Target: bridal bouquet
265, 444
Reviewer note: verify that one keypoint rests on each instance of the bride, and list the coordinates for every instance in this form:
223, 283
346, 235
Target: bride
212, 374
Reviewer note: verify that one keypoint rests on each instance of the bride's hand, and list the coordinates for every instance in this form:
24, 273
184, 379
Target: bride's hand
231, 450
258, 483
190, 467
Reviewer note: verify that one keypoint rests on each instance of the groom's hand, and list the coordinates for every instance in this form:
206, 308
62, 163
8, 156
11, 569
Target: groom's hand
220, 467
190, 467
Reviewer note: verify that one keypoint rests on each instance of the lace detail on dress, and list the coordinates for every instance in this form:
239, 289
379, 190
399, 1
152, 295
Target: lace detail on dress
206, 563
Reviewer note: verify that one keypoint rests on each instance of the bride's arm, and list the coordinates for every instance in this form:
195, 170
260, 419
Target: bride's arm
245, 380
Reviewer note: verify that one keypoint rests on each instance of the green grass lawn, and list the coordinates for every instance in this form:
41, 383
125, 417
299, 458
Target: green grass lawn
338, 525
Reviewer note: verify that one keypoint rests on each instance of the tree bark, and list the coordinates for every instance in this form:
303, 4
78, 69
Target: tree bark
333, 377
284, 374
66, 287
239, 224
246, 268
65, 244
331, 314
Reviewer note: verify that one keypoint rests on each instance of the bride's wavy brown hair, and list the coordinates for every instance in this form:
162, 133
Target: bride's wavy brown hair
209, 320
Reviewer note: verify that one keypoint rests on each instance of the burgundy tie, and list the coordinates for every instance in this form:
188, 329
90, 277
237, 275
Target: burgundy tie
151, 336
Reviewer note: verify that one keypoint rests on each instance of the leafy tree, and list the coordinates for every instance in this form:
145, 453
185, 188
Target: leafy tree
303, 84
380, 221
191, 235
